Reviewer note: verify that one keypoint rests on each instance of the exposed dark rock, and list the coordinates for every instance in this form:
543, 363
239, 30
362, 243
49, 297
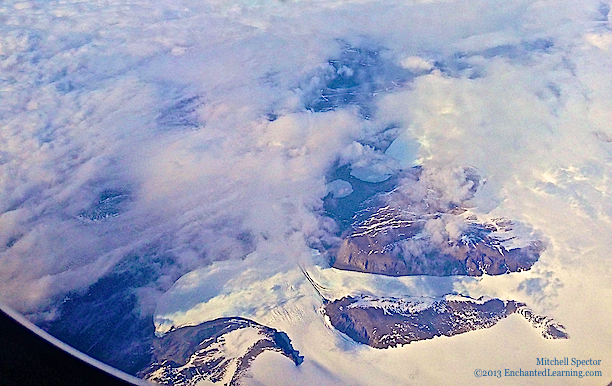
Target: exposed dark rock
548, 327
390, 252
405, 232
389, 322
105, 324
342, 210
188, 355
110, 204
353, 78
105, 321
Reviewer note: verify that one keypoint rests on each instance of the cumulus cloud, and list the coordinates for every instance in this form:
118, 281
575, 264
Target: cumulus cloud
416, 64
437, 189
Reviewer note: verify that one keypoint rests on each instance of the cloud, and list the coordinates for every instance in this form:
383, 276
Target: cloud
416, 64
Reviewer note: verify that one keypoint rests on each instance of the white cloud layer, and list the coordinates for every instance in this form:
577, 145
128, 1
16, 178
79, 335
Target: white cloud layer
189, 126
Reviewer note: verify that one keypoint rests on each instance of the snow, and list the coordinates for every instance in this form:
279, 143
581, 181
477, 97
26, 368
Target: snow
403, 306
405, 149
370, 174
340, 188
237, 342
462, 298
510, 234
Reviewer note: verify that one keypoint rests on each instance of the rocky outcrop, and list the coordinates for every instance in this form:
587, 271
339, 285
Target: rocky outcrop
419, 225
547, 326
217, 351
391, 322
399, 242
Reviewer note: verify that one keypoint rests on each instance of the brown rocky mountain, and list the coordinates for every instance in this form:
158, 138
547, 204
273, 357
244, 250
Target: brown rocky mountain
389, 322
400, 237
220, 350
389, 252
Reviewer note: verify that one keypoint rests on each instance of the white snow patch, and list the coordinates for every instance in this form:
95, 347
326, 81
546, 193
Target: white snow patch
339, 188
402, 306
236, 343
